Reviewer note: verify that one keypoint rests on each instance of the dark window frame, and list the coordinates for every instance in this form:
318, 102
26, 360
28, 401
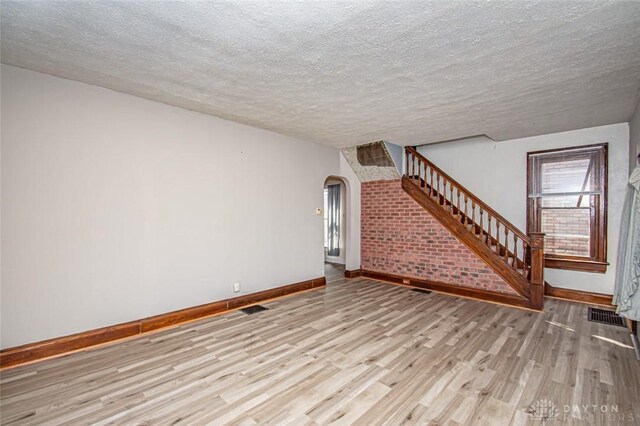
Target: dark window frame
597, 261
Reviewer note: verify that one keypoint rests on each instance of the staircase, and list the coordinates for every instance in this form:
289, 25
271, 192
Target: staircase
516, 257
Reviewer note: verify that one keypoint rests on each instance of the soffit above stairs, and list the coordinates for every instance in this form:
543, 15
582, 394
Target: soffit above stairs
346, 73
375, 161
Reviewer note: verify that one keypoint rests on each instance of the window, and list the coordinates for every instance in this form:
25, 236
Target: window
567, 200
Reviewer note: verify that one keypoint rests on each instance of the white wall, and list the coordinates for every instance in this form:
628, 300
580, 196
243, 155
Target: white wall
353, 214
496, 172
115, 208
634, 137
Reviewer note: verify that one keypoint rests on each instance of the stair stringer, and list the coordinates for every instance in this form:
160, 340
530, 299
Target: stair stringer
515, 280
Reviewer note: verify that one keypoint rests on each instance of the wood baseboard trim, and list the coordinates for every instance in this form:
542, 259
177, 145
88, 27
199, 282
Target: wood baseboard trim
46, 349
467, 292
577, 295
353, 274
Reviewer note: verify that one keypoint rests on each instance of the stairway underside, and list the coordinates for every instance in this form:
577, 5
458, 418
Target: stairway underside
472, 236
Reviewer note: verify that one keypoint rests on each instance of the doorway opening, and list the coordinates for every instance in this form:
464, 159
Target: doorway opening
335, 220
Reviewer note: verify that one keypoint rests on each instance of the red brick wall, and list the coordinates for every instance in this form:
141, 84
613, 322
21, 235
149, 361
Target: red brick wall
400, 237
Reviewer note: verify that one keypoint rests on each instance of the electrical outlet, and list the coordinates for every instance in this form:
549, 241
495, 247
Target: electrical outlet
236, 287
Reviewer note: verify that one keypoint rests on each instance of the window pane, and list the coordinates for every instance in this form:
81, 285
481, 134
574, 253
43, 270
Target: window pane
566, 176
567, 231
562, 171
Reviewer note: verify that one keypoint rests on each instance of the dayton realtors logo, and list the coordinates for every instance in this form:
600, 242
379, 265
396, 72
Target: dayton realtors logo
594, 413
547, 412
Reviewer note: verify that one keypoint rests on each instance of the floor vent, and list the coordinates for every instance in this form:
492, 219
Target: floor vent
604, 316
250, 310
419, 290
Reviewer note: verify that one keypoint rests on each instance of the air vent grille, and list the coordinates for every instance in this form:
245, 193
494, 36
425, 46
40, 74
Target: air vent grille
250, 310
605, 316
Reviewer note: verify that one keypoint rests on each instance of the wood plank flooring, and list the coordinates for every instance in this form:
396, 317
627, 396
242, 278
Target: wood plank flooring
358, 352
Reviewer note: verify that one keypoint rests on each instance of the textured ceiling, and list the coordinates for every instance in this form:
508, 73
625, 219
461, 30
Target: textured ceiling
347, 73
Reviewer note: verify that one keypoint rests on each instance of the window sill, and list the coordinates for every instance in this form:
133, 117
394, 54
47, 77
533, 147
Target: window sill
584, 265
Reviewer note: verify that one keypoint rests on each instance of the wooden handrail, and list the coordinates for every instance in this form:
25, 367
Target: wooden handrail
472, 196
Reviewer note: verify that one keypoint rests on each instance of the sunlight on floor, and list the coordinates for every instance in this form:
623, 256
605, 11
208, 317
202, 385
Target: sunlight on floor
615, 342
557, 324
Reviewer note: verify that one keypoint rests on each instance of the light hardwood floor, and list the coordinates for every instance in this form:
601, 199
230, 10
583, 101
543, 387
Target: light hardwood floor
358, 352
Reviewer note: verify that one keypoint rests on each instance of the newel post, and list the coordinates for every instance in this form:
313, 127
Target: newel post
536, 290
